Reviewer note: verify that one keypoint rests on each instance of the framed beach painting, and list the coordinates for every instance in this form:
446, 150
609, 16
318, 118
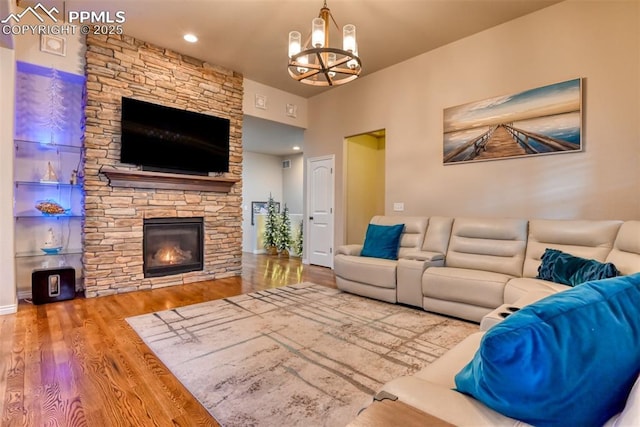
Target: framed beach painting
544, 120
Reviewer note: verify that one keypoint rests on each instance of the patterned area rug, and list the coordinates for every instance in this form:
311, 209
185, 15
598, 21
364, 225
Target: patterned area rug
301, 355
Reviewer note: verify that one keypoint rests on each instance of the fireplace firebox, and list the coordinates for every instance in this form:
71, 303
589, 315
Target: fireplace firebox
172, 246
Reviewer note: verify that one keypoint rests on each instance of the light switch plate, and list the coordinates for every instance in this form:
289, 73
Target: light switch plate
398, 207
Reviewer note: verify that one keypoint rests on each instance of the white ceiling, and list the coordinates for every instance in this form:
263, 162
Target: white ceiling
251, 36
268, 137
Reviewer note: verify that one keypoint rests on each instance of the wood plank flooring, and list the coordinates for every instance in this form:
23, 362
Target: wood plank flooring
78, 363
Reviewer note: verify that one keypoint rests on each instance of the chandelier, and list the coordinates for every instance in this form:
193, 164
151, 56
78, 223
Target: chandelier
319, 64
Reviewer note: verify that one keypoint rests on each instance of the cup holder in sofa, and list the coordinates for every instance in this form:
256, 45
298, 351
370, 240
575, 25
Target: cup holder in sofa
510, 310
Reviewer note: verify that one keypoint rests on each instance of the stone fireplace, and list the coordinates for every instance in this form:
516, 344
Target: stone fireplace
118, 211
172, 246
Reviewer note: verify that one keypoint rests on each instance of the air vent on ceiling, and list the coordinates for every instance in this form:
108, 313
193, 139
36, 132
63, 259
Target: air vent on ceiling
286, 164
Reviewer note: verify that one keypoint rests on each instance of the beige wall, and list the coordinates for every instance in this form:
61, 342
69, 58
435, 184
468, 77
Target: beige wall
364, 187
276, 104
596, 40
261, 176
28, 50
8, 292
292, 180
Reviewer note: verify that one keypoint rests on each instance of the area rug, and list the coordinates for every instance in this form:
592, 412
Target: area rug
301, 355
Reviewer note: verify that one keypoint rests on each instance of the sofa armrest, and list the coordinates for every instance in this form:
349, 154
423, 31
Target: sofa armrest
423, 256
353, 250
446, 404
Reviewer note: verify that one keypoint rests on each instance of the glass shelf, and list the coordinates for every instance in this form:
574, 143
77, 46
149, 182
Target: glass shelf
47, 184
39, 216
42, 254
48, 146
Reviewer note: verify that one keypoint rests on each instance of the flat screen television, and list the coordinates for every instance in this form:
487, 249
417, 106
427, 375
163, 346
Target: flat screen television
168, 139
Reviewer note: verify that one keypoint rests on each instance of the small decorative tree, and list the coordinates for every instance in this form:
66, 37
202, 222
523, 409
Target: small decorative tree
56, 114
284, 241
298, 243
271, 227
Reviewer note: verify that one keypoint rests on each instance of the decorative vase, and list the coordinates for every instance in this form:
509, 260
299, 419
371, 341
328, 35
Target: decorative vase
272, 250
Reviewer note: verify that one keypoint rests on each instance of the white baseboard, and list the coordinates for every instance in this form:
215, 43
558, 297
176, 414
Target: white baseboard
8, 309
25, 294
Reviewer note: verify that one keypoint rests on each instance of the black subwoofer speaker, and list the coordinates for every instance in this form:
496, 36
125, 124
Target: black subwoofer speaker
53, 284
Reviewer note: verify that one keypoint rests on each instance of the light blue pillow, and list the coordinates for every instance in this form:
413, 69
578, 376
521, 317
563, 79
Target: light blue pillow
382, 241
569, 359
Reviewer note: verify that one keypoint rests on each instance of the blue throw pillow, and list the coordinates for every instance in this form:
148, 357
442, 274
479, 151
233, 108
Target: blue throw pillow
382, 241
561, 267
568, 359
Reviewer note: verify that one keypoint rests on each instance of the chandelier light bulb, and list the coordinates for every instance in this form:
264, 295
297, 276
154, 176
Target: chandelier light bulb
317, 32
303, 60
349, 38
353, 63
295, 42
331, 59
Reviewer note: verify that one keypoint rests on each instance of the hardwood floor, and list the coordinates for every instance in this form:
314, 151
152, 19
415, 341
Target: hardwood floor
78, 363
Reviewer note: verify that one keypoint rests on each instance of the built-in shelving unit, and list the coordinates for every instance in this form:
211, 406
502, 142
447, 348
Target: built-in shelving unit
48, 154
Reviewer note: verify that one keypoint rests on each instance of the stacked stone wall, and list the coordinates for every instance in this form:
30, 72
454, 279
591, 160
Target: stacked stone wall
118, 66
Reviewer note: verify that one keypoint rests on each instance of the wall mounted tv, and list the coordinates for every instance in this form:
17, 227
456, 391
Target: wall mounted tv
167, 139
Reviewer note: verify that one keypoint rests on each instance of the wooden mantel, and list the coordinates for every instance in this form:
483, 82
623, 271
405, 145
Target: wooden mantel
167, 181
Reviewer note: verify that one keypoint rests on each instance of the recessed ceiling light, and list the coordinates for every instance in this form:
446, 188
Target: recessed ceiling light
295, 147
190, 38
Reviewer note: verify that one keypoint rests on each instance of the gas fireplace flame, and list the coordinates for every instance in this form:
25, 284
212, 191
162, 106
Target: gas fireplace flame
171, 254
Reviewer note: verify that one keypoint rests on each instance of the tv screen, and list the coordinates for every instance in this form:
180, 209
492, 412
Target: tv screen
173, 140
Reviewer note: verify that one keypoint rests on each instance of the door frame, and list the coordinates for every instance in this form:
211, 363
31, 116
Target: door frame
307, 204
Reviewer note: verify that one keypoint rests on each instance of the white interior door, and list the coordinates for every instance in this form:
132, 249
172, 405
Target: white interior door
320, 197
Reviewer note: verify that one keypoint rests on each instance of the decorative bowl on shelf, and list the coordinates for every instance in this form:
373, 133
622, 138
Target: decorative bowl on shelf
52, 250
50, 207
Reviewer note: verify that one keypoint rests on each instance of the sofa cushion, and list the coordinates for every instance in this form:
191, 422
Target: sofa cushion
591, 239
568, 359
382, 241
476, 287
561, 267
372, 271
413, 233
626, 248
495, 245
529, 290
443, 369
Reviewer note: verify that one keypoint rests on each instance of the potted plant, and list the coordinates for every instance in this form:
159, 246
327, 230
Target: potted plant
298, 242
271, 228
284, 237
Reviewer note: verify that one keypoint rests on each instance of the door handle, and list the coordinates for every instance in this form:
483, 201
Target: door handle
310, 218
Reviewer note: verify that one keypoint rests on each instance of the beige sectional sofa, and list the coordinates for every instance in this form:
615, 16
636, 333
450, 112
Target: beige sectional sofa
468, 267
474, 268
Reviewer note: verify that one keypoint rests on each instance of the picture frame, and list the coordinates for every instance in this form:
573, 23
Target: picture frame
542, 120
56, 45
261, 208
